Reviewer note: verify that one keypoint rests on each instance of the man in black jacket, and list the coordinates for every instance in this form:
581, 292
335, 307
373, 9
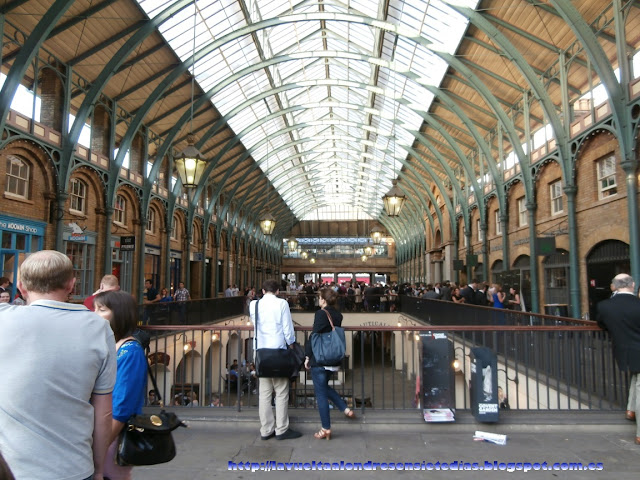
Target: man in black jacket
469, 292
620, 316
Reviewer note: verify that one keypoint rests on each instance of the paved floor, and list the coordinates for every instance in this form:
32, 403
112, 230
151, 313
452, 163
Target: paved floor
219, 436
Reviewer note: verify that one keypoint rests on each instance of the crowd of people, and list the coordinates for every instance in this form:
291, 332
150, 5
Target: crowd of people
472, 293
378, 297
351, 296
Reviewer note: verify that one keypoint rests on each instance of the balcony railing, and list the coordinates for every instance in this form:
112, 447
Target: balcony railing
544, 362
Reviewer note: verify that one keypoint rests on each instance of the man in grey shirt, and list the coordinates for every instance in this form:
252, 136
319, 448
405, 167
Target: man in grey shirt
58, 367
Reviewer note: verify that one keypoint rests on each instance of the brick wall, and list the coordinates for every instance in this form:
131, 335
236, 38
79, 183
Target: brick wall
52, 99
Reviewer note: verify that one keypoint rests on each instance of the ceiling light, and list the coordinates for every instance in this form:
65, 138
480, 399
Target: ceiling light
393, 200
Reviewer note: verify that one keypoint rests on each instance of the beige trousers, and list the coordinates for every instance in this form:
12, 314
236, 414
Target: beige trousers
281, 421
633, 403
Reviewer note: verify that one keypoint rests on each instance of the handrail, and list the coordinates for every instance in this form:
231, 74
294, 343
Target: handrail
382, 328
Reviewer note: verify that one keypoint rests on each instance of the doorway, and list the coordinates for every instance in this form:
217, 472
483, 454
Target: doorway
605, 260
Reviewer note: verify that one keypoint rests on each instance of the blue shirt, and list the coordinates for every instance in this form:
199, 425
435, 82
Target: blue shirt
131, 381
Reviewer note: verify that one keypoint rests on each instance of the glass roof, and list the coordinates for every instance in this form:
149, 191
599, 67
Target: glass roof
335, 129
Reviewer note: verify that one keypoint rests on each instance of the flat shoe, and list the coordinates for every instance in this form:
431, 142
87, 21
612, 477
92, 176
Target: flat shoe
288, 435
267, 437
630, 415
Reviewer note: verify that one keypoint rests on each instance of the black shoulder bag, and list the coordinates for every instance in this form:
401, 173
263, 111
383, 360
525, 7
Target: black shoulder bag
278, 362
146, 439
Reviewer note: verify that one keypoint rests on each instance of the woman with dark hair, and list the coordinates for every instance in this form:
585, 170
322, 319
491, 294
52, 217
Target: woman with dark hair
322, 373
121, 310
514, 299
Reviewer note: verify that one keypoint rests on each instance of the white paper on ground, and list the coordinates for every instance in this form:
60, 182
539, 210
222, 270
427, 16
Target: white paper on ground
496, 438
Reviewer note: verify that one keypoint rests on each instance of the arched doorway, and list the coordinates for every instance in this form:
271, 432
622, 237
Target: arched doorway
186, 388
234, 351
496, 271
523, 271
214, 377
556, 278
605, 260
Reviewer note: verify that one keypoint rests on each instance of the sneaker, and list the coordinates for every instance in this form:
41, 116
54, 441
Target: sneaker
267, 437
288, 435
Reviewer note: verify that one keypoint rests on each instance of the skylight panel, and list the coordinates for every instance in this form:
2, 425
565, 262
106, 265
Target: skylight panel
153, 7
274, 8
312, 43
244, 120
292, 68
226, 98
338, 72
177, 23
359, 70
411, 16
367, 7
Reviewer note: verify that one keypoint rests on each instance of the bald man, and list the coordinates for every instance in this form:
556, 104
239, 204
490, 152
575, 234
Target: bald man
108, 282
620, 316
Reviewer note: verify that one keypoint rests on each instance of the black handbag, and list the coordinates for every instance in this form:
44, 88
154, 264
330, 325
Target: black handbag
277, 362
147, 439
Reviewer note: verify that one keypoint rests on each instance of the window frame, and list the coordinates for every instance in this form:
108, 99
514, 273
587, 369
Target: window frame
480, 234
523, 219
151, 222
498, 222
75, 196
557, 202
173, 235
611, 189
120, 210
23, 182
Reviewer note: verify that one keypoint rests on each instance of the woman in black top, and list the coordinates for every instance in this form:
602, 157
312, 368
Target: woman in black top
320, 373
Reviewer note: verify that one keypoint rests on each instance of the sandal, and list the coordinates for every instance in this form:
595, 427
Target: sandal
323, 433
349, 413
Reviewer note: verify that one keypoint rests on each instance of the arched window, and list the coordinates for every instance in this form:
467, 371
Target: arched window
119, 214
17, 177
78, 196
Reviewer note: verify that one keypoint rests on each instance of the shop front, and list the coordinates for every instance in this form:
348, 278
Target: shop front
19, 237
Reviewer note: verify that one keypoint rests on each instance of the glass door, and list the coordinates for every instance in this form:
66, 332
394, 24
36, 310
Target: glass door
13, 249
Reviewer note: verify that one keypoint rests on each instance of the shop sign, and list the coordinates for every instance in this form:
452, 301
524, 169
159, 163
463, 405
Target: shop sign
128, 243
16, 225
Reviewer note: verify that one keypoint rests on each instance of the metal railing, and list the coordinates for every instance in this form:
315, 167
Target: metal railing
556, 363
192, 312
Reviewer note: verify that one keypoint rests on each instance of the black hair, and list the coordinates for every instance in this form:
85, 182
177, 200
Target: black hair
271, 286
125, 312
